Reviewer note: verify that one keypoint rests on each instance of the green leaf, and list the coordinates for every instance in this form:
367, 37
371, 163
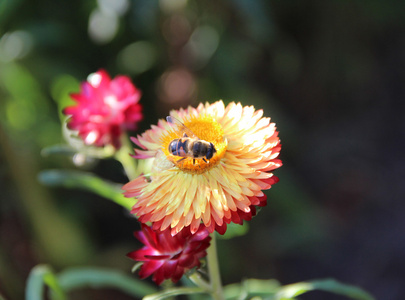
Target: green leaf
272, 289
76, 146
35, 283
58, 149
136, 266
7, 9
174, 292
76, 278
251, 287
61, 88
234, 230
51, 281
86, 181
329, 285
39, 276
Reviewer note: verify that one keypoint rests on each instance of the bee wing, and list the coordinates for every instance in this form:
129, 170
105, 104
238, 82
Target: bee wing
181, 127
161, 163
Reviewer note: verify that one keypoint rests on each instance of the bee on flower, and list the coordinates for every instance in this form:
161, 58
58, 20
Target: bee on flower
190, 145
224, 183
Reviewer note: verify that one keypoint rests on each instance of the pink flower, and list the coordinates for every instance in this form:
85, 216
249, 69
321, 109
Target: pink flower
105, 109
169, 257
225, 188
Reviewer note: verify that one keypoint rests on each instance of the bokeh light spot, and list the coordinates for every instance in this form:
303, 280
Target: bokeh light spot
202, 45
103, 26
119, 7
15, 45
19, 115
170, 6
137, 57
177, 85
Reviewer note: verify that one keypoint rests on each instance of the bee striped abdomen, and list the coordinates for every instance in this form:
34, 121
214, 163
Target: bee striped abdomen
199, 150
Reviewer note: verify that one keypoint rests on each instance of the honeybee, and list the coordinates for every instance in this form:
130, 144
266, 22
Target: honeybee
189, 145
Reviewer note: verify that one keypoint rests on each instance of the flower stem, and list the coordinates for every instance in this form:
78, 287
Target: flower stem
197, 279
213, 270
127, 162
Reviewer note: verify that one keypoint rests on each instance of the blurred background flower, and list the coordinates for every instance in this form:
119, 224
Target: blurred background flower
104, 110
330, 74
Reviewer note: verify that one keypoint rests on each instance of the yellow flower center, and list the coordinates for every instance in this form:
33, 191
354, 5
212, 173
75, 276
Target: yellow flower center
204, 128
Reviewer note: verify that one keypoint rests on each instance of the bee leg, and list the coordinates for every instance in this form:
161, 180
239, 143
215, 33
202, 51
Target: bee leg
181, 159
206, 161
193, 161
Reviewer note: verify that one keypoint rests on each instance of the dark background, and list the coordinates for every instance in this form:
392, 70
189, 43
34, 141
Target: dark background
329, 73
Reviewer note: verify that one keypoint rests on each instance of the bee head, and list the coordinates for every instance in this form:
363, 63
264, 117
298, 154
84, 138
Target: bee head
211, 151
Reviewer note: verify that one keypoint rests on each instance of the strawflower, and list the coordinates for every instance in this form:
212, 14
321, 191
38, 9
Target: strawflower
226, 188
105, 109
169, 257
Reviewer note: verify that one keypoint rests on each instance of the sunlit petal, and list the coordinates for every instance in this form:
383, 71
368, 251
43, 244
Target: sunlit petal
216, 191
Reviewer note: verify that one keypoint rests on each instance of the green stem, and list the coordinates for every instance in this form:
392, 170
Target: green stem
127, 162
197, 279
213, 270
